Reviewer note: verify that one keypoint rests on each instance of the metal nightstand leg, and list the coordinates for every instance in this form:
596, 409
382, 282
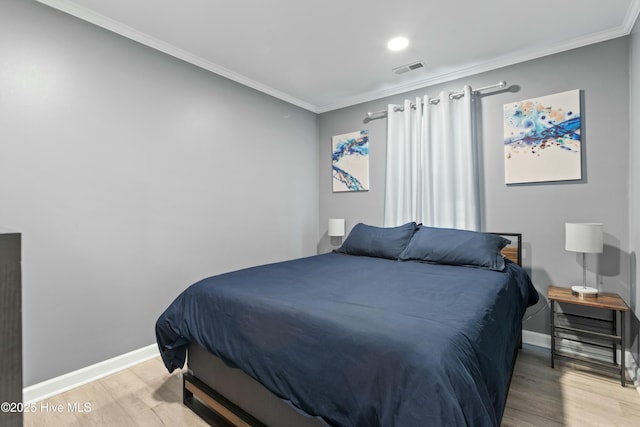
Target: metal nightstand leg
614, 346
552, 322
623, 374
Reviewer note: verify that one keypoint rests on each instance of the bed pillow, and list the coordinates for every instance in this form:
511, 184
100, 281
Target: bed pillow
380, 242
456, 247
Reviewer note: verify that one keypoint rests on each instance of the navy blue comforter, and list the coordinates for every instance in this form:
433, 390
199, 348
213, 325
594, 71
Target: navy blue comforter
362, 341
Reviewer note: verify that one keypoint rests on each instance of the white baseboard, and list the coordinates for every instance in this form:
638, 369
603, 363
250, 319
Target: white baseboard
536, 338
48, 388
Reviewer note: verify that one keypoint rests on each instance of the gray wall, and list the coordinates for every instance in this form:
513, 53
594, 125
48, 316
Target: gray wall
539, 211
132, 174
634, 184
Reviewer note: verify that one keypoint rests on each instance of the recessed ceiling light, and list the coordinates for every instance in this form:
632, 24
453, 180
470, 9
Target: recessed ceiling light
398, 43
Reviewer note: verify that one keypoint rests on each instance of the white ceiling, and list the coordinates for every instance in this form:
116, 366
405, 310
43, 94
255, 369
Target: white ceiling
326, 54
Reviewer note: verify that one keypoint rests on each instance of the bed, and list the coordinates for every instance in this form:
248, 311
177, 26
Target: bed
401, 326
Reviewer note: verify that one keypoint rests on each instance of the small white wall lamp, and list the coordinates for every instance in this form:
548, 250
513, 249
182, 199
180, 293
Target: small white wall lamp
336, 227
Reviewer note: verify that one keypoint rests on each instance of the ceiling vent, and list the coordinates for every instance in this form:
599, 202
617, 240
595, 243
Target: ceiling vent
409, 67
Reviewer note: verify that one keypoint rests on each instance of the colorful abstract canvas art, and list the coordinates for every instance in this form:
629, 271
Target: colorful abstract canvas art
350, 161
542, 139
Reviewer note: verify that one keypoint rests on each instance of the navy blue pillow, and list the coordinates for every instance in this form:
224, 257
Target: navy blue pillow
380, 242
456, 247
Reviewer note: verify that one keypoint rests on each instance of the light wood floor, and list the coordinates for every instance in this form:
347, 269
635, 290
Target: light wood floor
146, 395
568, 395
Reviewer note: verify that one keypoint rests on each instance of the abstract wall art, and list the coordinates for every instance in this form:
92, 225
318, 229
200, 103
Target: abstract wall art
350, 161
542, 139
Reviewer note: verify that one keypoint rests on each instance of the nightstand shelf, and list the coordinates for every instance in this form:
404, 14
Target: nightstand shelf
588, 331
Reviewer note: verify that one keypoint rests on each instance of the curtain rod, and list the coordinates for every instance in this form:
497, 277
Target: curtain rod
383, 113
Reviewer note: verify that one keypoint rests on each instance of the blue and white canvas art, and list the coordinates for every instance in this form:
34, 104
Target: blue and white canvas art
542, 139
350, 161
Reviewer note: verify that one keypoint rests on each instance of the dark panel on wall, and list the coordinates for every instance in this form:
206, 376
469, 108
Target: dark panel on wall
10, 330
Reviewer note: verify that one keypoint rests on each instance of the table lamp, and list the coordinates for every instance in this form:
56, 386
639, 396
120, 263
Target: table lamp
585, 238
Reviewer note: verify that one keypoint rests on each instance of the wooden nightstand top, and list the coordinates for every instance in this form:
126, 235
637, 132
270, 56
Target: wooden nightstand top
606, 300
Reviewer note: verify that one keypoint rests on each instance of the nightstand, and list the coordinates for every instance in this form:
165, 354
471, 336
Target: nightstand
590, 328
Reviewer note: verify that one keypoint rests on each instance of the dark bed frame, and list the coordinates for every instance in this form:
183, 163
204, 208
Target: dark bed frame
225, 396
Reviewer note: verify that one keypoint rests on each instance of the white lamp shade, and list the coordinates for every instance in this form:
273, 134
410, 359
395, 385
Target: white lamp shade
583, 237
336, 227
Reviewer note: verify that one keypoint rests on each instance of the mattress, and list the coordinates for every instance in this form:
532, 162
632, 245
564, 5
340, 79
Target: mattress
358, 340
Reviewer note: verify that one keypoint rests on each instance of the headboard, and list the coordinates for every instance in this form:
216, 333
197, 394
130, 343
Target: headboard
512, 252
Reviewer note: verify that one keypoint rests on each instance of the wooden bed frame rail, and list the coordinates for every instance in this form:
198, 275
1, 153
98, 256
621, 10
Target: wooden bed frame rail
199, 397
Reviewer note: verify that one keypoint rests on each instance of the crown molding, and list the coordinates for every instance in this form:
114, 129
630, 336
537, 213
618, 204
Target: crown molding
632, 16
73, 9
121, 29
494, 64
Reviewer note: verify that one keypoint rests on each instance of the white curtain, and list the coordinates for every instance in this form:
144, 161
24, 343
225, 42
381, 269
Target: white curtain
432, 171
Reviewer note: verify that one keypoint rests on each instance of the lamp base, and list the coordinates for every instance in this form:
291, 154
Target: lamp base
586, 292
